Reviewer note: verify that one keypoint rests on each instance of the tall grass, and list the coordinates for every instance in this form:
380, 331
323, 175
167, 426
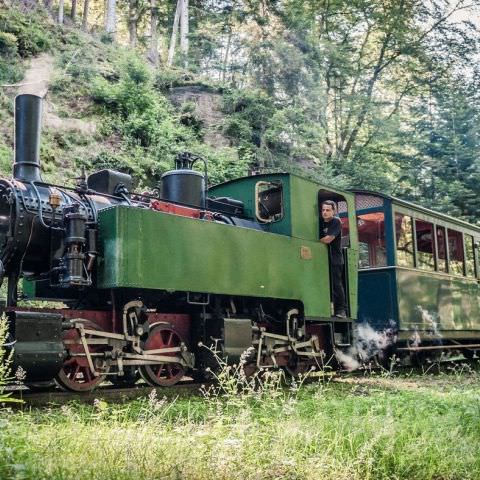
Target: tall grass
386, 428
5, 360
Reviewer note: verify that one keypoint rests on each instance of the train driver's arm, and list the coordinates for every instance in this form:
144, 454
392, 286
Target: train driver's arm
327, 239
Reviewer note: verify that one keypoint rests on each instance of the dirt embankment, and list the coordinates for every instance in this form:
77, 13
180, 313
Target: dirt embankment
36, 81
208, 108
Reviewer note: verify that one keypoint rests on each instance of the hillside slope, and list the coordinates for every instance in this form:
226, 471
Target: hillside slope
105, 107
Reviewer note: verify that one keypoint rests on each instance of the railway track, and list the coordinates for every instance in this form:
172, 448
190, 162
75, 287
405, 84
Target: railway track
109, 393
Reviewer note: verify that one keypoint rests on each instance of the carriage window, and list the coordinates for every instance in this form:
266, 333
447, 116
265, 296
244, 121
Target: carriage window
470, 256
442, 249
425, 245
404, 237
269, 201
371, 236
455, 252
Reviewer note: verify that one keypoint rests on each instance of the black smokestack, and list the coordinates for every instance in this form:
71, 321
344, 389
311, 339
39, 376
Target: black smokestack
28, 122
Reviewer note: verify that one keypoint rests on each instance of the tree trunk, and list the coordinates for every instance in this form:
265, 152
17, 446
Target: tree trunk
48, 4
184, 32
73, 11
173, 38
227, 55
60, 12
153, 54
85, 15
110, 17
132, 22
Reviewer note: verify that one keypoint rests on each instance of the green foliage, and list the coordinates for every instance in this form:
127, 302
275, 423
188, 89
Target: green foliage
5, 160
445, 172
21, 35
141, 116
106, 38
223, 164
10, 70
167, 78
250, 114
31, 36
8, 44
190, 118
147, 130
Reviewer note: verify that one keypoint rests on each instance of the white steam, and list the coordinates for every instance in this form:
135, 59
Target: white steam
367, 343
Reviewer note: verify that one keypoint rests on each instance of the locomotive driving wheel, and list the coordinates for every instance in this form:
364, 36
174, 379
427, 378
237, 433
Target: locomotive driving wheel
162, 374
76, 374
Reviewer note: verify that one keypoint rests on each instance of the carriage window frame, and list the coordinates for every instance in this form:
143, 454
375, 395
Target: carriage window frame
442, 263
276, 217
413, 240
476, 254
453, 233
369, 249
470, 273
451, 265
422, 262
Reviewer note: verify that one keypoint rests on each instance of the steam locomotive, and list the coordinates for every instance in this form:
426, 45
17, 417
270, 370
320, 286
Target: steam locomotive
162, 283
154, 283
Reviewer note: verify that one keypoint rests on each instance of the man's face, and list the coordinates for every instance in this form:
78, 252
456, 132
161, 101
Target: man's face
327, 212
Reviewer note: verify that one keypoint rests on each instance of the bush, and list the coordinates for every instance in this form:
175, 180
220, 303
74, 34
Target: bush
189, 117
106, 38
5, 160
10, 70
167, 78
31, 36
142, 121
8, 44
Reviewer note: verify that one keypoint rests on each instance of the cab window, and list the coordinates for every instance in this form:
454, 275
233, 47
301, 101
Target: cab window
269, 201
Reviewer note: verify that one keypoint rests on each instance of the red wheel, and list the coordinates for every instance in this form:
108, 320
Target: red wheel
76, 374
162, 374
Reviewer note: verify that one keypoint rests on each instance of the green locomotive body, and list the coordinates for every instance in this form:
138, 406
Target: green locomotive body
157, 250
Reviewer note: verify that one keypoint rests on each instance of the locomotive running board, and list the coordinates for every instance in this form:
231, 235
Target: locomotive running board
438, 347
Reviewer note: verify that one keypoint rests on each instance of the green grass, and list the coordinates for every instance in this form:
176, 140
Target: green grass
418, 427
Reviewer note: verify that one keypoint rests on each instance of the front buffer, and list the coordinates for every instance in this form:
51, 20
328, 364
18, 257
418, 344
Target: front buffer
38, 352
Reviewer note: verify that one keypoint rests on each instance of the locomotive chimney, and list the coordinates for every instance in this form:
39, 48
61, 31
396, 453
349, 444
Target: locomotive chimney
28, 119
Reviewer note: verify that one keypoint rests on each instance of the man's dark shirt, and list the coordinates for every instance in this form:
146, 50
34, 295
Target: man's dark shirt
333, 228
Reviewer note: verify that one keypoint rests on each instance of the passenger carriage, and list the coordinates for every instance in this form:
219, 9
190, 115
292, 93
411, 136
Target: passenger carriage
418, 274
